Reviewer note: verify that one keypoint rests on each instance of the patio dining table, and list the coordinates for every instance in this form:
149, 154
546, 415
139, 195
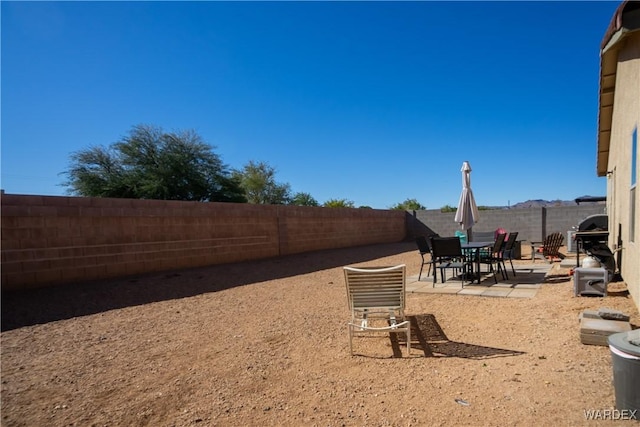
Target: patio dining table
472, 250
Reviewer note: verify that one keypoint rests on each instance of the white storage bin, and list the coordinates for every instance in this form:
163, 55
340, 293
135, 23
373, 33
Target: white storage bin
590, 281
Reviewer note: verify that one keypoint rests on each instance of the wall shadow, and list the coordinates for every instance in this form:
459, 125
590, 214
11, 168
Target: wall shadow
416, 227
427, 335
35, 306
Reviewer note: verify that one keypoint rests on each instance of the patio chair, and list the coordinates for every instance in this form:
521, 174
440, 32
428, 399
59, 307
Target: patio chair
448, 255
495, 258
483, 236
376, 297
425, 249
508, 252
549, 249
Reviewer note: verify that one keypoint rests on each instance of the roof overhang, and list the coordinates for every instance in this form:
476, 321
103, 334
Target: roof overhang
625, 20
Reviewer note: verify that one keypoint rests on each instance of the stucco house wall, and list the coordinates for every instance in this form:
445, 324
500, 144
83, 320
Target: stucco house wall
620, 60
626, 119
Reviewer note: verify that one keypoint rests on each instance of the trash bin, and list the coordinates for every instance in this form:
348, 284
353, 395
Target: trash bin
517, 249
571, 241
626, 370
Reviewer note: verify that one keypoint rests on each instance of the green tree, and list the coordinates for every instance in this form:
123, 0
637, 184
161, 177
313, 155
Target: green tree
152, 164
409, 205
338, 203
448, 208
303, 199
258, 181
98, 172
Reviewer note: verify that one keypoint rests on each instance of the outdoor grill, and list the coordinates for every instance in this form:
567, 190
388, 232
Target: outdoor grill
599, 222
592, 237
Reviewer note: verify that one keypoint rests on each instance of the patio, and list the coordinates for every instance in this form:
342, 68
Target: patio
525, 284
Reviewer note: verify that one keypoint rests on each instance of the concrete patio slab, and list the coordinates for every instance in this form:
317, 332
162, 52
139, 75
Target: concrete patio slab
503, 286
571, 261
496, 292
472, 291
525, 284
522, 293
441, 290
414, 286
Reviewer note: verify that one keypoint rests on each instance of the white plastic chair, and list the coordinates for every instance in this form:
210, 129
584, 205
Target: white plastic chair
376, 297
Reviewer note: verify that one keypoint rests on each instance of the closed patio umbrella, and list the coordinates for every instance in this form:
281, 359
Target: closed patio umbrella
467, 213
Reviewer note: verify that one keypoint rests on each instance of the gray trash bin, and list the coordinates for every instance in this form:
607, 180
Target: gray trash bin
626, 370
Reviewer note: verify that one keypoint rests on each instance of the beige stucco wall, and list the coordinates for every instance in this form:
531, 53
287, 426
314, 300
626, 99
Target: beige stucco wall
626, 119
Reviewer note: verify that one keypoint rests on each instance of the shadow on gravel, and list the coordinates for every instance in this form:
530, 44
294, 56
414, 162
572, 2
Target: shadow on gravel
35, 306
434, 342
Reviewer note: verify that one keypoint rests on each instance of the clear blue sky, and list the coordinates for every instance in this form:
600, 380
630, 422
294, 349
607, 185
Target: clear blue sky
374, 102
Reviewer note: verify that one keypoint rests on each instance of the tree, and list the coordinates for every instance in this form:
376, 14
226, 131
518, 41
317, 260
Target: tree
257, 179
338, 203
304, 199
448, 208
98, 172
152, 164
409, 205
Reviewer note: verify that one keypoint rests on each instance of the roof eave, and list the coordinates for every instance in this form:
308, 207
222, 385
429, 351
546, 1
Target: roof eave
608, 69
616, 33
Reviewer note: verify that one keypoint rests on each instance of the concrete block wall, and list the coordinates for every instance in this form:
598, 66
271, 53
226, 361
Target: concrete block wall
306, 229
562, 218
532, 224
527, 222
48, 240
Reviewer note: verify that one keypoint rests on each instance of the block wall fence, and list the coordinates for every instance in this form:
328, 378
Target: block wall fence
51, 240
532, 224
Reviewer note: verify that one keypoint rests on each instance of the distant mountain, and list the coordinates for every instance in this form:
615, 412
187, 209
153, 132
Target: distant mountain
539, 203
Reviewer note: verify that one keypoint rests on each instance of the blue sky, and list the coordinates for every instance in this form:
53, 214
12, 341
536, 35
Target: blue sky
374, 102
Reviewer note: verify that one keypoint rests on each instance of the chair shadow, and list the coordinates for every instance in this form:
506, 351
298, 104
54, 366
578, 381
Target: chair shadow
522, 277
427, 335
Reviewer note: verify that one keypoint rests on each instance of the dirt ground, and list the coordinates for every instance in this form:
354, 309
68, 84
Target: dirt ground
265, 344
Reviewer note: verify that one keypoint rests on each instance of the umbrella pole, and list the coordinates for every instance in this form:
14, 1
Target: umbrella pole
472, 274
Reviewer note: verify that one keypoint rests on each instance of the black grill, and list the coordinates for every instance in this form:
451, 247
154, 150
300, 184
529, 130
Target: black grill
598, 222
592, 237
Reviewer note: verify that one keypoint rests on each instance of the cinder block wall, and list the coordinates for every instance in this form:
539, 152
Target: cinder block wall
48, 240
304, 229
532, 224
562, 218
